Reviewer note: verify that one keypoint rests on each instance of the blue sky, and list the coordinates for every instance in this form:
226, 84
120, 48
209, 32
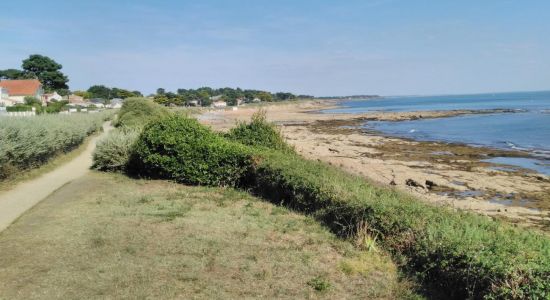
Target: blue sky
321, 47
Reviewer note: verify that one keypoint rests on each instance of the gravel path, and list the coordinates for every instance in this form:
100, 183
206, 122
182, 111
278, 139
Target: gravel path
15, 202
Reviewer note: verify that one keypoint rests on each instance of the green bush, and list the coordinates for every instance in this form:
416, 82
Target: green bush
28, 142
259, 133
179, 148
460, 255
136, 112
113, 152
19, 108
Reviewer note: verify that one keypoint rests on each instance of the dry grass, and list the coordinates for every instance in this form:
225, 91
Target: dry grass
107, 236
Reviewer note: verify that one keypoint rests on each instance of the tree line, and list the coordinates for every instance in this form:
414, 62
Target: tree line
49, 73
203, 96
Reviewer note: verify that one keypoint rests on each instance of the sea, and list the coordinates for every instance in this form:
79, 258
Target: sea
527, 128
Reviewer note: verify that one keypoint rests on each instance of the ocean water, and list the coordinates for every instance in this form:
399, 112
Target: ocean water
528, 129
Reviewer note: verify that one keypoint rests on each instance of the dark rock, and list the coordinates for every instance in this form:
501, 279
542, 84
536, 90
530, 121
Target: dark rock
430, 184
411, 182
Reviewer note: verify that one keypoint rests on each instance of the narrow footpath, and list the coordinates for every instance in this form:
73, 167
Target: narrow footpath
15, 202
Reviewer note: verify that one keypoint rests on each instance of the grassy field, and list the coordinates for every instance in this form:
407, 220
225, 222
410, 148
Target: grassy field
106, 235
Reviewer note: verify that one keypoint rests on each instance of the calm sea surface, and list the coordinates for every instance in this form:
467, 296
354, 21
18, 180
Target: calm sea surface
528, 129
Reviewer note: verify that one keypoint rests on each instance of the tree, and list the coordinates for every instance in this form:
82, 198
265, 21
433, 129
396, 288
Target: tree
46, 70
63, 92
12, 74
137, 94
99, 91
29, 100
83, 94
161, 91
265, 96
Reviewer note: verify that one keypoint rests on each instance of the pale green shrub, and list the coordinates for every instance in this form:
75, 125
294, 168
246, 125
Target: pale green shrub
113, 151
28, 142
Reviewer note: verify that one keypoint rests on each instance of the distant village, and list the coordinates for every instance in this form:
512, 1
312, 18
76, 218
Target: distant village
40, 87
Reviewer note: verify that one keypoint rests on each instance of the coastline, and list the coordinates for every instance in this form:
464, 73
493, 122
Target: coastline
437, 172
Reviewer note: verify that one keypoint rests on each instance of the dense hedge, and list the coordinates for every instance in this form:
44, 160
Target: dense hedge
179, 148
259, 133
28, 142
113, 152
458, 254
137, 112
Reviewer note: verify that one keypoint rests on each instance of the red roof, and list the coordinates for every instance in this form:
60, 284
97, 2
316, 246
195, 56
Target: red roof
27, 87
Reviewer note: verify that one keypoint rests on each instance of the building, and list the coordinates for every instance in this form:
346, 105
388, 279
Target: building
19, 89
219, 104
116, 103
76, 100
52, 97
4, 98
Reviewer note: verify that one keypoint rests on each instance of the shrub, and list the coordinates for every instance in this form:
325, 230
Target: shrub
136, 112
179, 148
113, 152
28, 142
259, 133
459, 254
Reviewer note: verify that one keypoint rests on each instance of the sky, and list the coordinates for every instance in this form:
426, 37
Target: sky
316, 47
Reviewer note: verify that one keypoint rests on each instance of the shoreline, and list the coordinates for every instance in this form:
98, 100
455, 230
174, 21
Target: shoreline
441, 173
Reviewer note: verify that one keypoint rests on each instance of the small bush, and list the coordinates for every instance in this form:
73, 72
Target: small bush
259, 133
179, 148
319, 283
137, 112
113, 151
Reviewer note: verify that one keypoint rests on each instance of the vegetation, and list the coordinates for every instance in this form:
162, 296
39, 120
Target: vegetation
103, 92
27, 143
108, 236
42, 68
457, 254
179, 148
53, 107
113, 151
139, 111
259, 133
232, 96
453, 254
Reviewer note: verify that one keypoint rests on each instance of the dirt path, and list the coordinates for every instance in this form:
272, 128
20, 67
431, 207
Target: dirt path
15, 202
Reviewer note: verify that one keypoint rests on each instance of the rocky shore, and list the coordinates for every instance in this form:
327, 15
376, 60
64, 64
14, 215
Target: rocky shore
441, 173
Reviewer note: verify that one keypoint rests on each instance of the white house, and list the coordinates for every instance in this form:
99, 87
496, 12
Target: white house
52, 97
219, 104
116, 103
19, 89
4, 98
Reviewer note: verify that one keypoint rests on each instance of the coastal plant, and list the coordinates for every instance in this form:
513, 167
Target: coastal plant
454, 254
179, 148
28, 142
259, 132
113, 152
137, 112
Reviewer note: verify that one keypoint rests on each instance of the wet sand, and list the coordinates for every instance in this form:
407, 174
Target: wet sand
440, 173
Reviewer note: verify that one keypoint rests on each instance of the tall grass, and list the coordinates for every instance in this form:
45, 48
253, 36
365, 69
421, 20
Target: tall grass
28, 142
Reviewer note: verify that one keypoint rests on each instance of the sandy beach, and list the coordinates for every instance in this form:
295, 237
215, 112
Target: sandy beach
440, 173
